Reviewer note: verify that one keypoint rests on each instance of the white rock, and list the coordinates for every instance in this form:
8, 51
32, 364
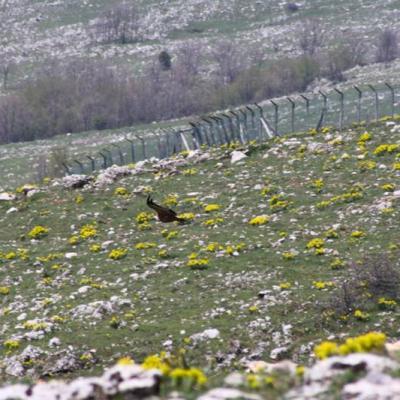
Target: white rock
7, 196
84, 289
70, 255
206, 335
332, 366
278, 352
21, 317
375, 386
237, 156
227, 393
107, 243
12, 210
234, 379
54, 342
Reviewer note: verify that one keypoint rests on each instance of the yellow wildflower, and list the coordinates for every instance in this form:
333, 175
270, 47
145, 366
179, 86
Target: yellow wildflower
259, 220
38, 232
211, 207
117, 254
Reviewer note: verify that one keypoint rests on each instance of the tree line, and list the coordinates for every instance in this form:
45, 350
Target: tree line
92, 94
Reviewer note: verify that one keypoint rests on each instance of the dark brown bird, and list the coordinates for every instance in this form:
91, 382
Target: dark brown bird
164, 214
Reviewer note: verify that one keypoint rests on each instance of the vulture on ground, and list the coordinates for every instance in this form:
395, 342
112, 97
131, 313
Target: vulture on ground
164, 214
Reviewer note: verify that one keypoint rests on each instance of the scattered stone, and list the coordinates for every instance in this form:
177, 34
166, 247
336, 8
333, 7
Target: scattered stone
279, 353
237, 156
7, 196
227, 393
206, 335
76, 181
130, 380
61, 362
234, 379
319, 377
54, 342
111, 174
70, 255
375, 386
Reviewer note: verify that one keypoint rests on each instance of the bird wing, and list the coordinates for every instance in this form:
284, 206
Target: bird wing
158, 208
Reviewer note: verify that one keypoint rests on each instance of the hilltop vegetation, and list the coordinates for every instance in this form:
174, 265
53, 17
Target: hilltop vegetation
57, 58
267, 268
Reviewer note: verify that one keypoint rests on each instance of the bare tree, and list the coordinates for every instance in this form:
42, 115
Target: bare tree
5, 70
229, 61
118, 24
387, 47
189, 57
311, 36
358, 50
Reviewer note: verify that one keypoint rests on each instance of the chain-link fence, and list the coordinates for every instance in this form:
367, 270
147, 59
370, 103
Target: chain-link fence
254, 122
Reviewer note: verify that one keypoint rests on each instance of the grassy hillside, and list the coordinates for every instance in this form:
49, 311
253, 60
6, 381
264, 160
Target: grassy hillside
272, 288
36, 32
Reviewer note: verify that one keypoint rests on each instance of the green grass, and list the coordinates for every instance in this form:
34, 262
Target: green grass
171, 300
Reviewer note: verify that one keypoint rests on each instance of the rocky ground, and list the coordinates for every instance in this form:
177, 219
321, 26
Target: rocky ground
40, 31
88, 276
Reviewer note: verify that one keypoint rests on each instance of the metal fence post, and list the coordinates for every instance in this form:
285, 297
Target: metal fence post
132, 149
81, 167
243, 132
392, 97
376, 102
231, 127
217, 129
196, 135
225, 132
276, 115
66, 167
210, 129
307, 100
110, 155
178, 141
252, 117
143, 146
204, 132
341, 94
359, 92
261, 111
323, 111
293, 106
325, 97
158, 145
237, 136
92, 162
104, 159
121, 156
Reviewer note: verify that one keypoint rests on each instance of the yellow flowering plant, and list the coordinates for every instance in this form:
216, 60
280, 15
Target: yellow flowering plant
259, 220
38, 232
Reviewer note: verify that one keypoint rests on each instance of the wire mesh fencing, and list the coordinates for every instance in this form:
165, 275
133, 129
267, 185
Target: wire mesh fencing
299, 113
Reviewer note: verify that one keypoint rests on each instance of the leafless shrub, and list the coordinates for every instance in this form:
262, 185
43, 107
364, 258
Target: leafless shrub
189, 58
311, 36
381, 275
347, 298
358, 50
41, 168
229, 61
338, 60
376, 276
5, 70
387, 46
120, 24
58, 157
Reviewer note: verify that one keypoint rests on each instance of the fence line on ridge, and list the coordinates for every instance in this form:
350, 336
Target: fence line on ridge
252, 122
